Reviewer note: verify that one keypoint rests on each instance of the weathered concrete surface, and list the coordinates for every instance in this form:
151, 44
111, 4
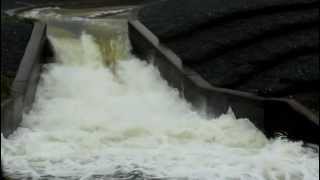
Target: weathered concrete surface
24, 86
239, 44
270, 115
213, 101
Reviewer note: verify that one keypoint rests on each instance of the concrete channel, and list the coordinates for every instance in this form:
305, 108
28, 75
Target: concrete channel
25, 83
270, 115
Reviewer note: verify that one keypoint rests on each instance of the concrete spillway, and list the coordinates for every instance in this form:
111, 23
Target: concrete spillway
99, 111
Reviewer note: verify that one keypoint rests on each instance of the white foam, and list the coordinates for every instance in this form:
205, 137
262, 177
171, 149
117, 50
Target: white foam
38, 13
108, 12
86, 120
57, 13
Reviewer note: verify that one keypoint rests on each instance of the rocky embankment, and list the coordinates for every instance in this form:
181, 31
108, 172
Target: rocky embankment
15, 35
269, 48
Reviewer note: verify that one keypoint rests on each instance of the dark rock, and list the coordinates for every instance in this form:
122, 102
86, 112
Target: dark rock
295, 75
15, 35
5, 86
171, 18
231, 69
267, 47
216, 40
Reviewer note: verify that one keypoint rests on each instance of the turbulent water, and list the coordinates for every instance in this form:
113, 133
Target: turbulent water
101, 111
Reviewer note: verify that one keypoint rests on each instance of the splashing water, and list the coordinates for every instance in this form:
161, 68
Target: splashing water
86, 121
49, 13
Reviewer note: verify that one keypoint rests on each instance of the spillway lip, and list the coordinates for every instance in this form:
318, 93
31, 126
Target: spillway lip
201, 83
71, 6
18, 10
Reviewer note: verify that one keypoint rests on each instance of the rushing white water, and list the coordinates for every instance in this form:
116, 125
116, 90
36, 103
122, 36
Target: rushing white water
89, 120
74, 14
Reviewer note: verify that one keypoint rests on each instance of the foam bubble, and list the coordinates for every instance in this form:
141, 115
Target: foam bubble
89, 120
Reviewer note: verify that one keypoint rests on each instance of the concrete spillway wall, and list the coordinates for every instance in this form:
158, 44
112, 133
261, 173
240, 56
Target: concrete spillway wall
25, 83
271, 115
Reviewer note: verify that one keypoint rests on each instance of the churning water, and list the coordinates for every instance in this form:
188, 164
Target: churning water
101, 111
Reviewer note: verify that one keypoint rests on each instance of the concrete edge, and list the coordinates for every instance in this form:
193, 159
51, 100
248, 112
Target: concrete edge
212, 101
302, 116
298, 107
172, 57
175, 60
24, 86
29, 58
